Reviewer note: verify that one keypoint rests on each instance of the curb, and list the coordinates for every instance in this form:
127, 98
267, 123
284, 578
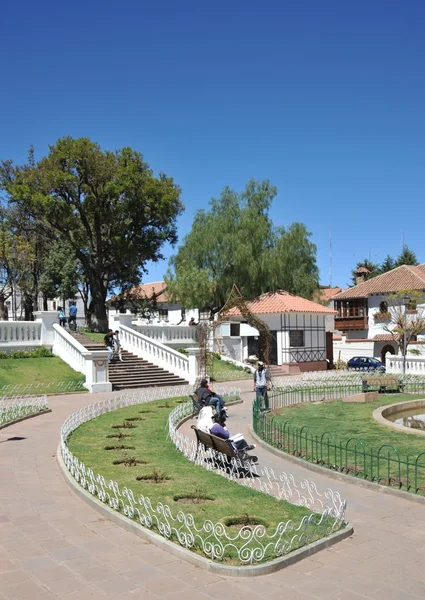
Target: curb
41, 412
370, 485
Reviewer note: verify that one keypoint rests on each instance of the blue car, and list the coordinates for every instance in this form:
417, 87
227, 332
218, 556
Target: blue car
365, 363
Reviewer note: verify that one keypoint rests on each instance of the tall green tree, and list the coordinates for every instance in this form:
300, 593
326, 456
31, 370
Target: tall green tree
373, 269
108, 206
60, 277
235, 242
406, 257
387, 265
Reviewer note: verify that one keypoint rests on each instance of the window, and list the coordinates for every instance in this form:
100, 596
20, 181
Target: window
412, 304
163, 314
235, 329
296, 338
383, 307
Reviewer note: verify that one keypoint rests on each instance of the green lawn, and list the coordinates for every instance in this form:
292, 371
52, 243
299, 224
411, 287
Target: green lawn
151, 445
36, 375
224, 371
96, 337
329, 432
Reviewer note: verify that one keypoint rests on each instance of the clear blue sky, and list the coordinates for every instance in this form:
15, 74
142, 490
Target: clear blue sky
324, 98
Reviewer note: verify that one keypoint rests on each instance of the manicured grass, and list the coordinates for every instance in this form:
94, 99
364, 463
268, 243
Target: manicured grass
149, 438
346, 421
37, 373
345, 437
224, 371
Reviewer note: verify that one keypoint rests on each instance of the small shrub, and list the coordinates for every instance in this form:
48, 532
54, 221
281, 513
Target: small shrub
3, 355
41, 352
341, 365
182, 351
415, 352
19, 354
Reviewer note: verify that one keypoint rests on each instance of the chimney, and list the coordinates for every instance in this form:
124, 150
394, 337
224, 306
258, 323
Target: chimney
362, 274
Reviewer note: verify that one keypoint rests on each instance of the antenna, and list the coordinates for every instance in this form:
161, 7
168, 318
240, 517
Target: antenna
330, 257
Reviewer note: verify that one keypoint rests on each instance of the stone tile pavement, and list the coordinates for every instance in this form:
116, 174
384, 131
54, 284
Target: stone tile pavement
53, 545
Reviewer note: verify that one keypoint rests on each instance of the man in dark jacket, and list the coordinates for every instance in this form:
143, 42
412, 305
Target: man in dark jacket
207, 397
109, 343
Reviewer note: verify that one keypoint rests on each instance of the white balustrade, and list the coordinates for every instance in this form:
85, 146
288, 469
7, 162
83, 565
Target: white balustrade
93, 364
168, 334
155, 351
20, 333
414, 365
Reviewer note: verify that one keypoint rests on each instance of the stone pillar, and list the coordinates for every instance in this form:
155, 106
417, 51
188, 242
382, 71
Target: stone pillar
194, 354
97, 372
47, 318
121, 319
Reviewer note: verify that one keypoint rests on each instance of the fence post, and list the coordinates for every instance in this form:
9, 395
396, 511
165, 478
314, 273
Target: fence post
47, 318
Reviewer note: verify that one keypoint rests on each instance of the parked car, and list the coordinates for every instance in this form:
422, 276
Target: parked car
365, 363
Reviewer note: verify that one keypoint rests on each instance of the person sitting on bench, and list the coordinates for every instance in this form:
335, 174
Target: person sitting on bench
220, 430
207, 397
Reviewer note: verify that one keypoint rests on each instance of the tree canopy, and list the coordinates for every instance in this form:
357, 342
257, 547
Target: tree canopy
406, 257
235, 242
108, 207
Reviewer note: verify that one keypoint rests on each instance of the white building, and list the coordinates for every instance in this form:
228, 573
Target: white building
298, 327
363, 312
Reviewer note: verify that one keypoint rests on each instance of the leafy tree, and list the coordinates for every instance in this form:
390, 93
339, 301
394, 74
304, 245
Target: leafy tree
108, 206
60, 277
407, 317
406, 257
387, 265
235, 242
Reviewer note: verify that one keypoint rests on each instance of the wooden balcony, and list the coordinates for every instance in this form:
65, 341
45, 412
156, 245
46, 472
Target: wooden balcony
351, 323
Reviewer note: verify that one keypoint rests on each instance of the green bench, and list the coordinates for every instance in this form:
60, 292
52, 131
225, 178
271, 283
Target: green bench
382, 384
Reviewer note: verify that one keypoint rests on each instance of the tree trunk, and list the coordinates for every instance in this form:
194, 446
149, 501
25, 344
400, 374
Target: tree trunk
97, 309
28, 308
45, 301
3, 309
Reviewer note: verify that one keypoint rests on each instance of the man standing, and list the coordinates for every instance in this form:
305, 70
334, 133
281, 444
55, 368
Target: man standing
109, 343
72, 321
262, 386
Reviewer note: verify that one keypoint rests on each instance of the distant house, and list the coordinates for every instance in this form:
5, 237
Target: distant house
324, 296
166, 311
298, 327
362, 313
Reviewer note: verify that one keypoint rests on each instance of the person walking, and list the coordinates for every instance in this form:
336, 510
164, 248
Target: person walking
72, 321
109, 344
61, 315
117, 346
262, 386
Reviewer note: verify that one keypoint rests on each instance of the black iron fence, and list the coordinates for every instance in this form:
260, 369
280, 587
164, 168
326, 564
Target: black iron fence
384, 465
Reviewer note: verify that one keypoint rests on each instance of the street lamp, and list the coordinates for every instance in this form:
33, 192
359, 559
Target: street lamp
406, 301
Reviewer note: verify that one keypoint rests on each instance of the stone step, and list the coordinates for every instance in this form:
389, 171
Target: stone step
132, 371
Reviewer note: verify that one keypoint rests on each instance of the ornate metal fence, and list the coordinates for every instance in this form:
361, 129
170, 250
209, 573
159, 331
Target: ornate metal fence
18, 407
250, 544
384, 465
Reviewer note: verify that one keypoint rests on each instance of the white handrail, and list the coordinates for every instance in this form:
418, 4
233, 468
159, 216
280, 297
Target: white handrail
154, 351
415, 364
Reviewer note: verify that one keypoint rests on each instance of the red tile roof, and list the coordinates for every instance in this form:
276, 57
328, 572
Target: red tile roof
399, 279
156, 289
280, 302
325, 294
385, 337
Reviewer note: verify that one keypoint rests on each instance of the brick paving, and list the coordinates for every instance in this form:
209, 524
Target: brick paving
53, 545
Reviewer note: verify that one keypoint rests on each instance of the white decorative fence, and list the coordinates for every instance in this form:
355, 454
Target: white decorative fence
20, 333
414, 365
155, 351
168, 334
12, 409
250, 544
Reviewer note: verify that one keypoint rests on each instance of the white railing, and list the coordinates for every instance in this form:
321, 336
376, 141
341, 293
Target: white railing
394, 364
155, 351
94, 364
20, 332
12, 409
168, 334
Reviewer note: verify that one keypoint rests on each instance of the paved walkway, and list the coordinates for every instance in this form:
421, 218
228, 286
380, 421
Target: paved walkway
53, 545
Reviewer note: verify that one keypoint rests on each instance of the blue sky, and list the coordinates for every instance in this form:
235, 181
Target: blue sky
325, 99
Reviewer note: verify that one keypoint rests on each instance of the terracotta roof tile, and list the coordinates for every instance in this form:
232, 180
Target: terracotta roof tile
397, 280
325, 294
385, 337
280, 302
147, 290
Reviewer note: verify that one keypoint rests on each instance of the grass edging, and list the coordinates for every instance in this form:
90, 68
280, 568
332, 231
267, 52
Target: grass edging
41, 412
199, 561
370, 485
